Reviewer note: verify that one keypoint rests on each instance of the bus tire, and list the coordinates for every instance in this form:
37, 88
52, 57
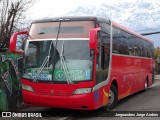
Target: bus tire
153, 75
113, 97
146, 86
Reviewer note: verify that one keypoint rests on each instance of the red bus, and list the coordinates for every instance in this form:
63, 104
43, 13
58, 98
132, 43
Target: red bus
83, 63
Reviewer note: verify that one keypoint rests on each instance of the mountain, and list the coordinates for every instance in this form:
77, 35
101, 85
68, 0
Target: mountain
142, 16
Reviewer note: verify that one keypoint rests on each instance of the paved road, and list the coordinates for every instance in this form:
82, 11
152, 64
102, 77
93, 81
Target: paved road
142, 101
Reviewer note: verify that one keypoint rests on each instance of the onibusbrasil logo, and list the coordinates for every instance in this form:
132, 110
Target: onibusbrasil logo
19, 114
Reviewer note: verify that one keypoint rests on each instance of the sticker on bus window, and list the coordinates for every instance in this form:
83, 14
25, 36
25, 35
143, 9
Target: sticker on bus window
44, 71
40, 76
72, 74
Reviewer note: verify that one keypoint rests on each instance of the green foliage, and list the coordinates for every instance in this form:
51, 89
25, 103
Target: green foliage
157, 52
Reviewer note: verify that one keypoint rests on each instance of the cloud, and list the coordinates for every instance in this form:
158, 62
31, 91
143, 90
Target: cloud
45, 8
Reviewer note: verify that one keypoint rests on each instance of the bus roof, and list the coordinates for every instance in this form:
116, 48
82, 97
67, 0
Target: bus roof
85, 18
91, 18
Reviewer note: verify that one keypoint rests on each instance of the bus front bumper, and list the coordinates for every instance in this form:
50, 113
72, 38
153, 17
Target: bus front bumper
82, 101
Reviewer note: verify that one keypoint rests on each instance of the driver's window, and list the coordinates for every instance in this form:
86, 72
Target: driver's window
102, 65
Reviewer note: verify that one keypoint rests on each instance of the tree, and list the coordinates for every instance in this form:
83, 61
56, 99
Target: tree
157, 59
157, 53
12, 12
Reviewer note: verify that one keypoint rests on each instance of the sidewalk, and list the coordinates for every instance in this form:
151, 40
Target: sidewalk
157, 76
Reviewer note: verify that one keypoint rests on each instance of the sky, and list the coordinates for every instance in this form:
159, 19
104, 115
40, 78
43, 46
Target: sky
54, 8
45, 8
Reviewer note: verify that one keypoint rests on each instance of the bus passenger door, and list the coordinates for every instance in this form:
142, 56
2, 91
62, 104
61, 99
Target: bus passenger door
102, 64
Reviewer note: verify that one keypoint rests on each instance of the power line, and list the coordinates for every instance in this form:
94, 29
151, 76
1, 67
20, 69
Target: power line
150, 33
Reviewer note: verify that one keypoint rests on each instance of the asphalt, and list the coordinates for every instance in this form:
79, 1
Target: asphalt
157, 79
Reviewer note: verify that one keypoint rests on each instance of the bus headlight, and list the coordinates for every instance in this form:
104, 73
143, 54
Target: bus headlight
27, 87
83, 90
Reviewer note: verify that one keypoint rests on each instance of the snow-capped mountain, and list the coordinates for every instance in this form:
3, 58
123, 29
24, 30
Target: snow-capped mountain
136, 15
141, 15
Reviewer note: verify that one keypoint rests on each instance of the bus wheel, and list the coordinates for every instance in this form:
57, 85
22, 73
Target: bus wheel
146, 86
113, 97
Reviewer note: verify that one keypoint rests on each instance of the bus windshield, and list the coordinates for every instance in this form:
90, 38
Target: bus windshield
70, 61
70, 29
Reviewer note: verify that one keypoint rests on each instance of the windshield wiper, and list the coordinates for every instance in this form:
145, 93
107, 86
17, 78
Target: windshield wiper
64, 65
44, 62
47, 58
55, 47
41, 68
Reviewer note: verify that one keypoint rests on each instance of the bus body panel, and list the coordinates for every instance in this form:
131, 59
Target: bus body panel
131, 73
101, 96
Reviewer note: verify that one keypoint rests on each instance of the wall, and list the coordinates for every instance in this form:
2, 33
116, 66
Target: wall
10, 85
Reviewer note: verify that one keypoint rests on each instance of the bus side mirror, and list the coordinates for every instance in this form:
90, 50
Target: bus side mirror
93, 39
16, 42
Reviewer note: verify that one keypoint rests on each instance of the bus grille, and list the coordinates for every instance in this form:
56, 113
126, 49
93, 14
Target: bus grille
53, 92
